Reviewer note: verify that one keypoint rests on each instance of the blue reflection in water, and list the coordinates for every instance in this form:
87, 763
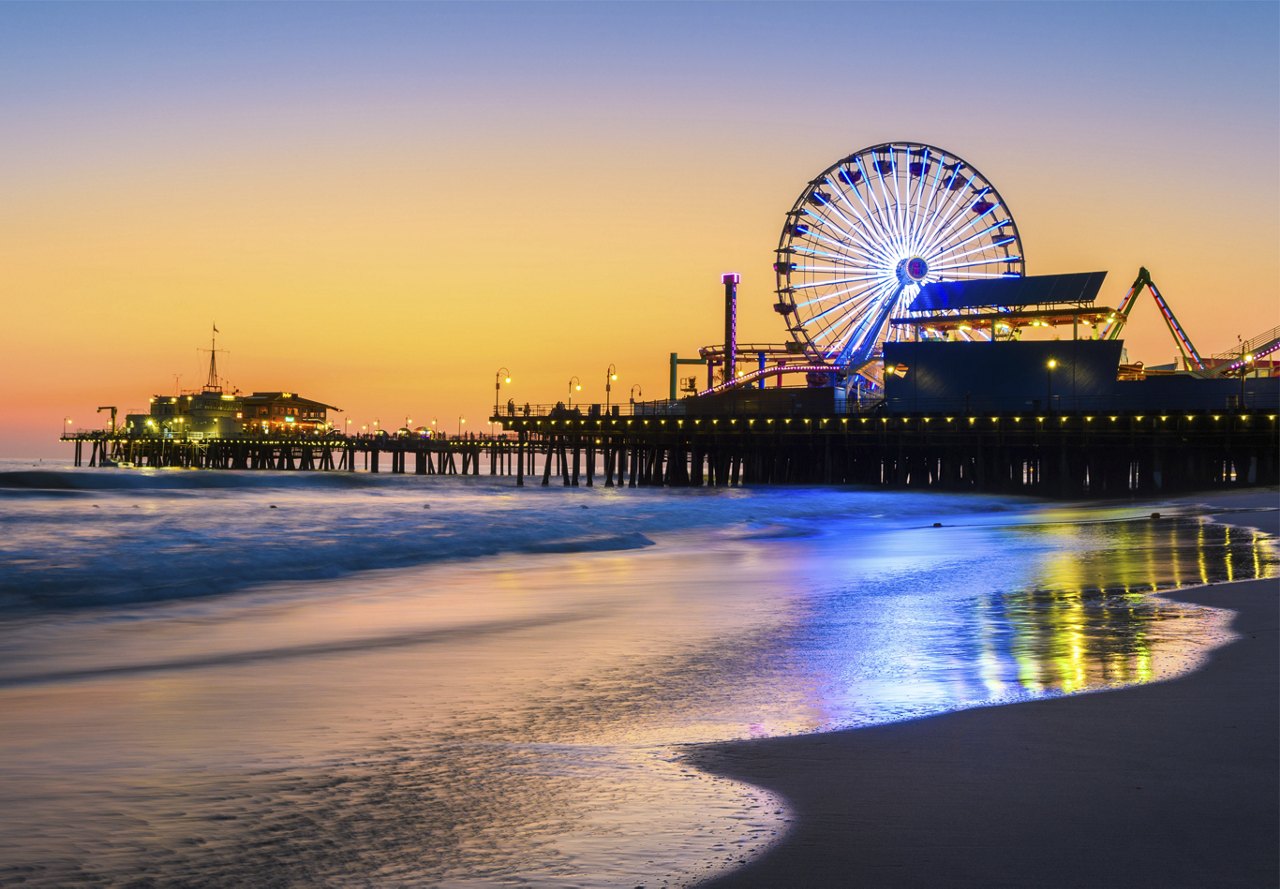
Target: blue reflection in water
939, 619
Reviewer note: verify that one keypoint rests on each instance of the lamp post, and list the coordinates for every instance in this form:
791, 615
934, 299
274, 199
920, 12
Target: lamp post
1048, 384
1245, 360
66, 425
461, 421
502, 374
636, 390
609, 376
433, 427
348, 427
575, 385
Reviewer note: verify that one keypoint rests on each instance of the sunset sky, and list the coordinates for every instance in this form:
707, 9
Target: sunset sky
381, 204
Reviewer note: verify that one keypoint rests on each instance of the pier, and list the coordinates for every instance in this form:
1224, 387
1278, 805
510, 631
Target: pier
1063, 455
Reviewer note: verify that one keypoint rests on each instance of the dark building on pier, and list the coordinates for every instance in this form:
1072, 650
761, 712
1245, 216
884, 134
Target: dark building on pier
213, 414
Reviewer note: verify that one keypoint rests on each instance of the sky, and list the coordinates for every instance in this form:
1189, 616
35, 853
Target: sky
380, 205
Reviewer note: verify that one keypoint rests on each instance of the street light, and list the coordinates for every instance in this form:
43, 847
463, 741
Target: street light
575, 385
1048, 384
348, 427
636, 390
433, 427
497, 386
610, 375
460, 422
1245, 360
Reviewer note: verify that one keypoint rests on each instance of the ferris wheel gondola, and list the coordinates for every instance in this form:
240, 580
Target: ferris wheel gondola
872, 229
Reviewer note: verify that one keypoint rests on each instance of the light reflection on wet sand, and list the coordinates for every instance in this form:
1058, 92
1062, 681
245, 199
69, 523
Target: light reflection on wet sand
520, 721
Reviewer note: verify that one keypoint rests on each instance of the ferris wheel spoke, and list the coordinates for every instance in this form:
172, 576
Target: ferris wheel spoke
897, 195
936, 209
868, 332
858, 308
855, 289
941, 253
985, 274
849, 246
963, 265
884, 190
853, 308
875, 199
849, 236
959, 200
866, 216
869, 214
946, 233
925, 163
957, 232
808, 251
809, 285
875, 252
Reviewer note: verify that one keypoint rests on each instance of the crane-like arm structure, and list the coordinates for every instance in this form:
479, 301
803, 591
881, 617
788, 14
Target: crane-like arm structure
1190, 357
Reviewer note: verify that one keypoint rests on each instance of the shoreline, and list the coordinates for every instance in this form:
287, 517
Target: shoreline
1173, 783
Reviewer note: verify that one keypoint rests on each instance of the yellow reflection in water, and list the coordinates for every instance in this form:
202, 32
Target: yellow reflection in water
1088, 620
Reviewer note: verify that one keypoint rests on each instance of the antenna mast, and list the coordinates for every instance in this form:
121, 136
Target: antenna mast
212, 384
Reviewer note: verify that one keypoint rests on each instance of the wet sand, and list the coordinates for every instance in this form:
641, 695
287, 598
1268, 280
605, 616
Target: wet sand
1164, 785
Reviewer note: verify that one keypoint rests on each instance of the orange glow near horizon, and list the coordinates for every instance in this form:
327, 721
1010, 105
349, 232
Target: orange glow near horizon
386, 233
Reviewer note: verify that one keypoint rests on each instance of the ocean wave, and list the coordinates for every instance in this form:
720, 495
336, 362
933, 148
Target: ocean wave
112, 538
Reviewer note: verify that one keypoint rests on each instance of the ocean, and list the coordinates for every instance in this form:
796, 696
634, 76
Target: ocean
222, 678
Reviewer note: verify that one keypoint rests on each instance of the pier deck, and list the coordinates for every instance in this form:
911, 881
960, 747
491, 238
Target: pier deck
1058, 455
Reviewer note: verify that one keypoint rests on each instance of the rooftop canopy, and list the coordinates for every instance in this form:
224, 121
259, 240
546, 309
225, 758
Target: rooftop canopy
1014, 292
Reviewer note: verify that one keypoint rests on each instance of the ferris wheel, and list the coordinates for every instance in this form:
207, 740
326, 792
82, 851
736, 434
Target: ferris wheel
872, 229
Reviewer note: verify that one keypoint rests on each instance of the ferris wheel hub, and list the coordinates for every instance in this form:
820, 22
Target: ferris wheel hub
913, 270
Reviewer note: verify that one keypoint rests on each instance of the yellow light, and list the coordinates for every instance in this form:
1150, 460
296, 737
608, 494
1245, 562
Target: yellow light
508, 380
578, 387
1053, 362
1138, 417
611, 377
1216, 418
1113, 419
949, 419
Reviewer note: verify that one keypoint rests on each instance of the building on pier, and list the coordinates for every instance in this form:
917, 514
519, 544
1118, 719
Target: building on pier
213, 414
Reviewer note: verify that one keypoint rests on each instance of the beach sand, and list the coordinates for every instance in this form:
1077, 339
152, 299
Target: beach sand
1170, 784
